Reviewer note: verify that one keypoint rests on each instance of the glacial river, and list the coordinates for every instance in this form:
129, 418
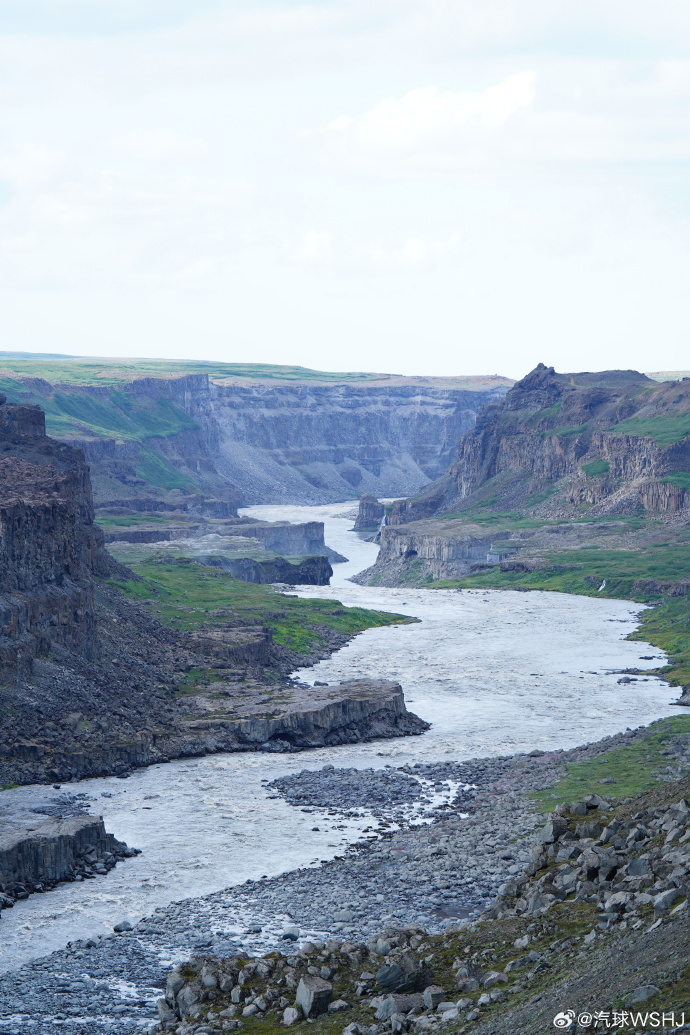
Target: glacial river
494, 672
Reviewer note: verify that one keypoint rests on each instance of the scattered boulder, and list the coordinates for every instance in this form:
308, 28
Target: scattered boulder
313, 995
404, 974
433, 995
642, 994
399, 1004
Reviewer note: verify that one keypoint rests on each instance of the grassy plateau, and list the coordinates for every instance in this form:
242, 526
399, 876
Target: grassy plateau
187, 595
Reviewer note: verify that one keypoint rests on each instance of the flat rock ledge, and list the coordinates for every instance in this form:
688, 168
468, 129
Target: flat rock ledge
311, 717
279, 718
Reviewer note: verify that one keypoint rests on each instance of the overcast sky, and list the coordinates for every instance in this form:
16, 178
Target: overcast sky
421, 186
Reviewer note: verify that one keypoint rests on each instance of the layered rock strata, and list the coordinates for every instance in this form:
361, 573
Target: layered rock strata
200, 444
559, 448
612, 442
299, 539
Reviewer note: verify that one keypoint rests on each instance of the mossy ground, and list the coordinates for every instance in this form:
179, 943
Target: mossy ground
187, 595
613, 959
634, 767
133, 520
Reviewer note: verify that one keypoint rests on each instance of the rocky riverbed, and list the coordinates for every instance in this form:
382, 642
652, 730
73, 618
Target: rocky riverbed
432, 875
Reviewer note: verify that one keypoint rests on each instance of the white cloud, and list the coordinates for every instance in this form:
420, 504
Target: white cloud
415, 254
392, 175
156, 145
28, 166
427, 113
565, 116
315, 248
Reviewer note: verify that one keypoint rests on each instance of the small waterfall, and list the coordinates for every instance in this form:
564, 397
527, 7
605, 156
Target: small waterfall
384, 521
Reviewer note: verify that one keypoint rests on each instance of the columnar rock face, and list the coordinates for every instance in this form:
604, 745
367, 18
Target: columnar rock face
369, 515
49, 546
52, 850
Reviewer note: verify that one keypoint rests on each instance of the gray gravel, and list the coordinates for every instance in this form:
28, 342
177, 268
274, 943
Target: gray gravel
430, 875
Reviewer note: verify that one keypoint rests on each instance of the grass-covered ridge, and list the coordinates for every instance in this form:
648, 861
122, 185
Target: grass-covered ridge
187, 595
90, 370
665, 429
583, 571
597, 468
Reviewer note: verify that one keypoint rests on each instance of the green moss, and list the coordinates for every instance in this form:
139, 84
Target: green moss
540, 497
667, 626
546, 414
681, 480
187, 595
582, 571
665, 429
158, 471
597, 468
633, 767
116, 414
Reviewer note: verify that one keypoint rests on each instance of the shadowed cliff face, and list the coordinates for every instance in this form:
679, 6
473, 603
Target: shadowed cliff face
49, 546
320, 444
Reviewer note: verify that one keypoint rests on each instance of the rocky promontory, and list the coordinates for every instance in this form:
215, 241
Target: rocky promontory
564, 463
37, 852
370, 514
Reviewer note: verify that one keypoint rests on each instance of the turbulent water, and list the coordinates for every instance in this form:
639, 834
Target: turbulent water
494, 672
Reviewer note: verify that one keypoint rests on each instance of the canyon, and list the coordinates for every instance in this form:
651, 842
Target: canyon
93, 683
166, 663
203, 443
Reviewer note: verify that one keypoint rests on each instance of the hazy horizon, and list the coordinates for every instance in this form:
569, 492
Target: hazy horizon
436, 189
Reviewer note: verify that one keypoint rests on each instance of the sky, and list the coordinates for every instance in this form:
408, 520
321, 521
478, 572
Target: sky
413, 186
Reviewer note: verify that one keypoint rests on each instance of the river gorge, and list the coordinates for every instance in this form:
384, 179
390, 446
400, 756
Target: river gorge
495, 673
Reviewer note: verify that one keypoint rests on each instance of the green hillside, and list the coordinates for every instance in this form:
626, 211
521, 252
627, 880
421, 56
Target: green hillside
113, 414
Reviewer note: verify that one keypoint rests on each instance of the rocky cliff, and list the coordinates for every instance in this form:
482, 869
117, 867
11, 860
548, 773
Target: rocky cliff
608, 442
369, 514
50, 548
325, 443
197, 444
544, 470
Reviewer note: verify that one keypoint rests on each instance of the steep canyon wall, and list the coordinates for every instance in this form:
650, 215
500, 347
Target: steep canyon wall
201, 445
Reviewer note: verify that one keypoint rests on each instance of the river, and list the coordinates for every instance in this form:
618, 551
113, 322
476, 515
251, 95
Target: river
494, 672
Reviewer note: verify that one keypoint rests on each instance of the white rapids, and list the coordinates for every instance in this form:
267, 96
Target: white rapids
494, 672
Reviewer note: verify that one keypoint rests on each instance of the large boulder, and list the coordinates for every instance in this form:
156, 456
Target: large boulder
313, 995
405, 973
